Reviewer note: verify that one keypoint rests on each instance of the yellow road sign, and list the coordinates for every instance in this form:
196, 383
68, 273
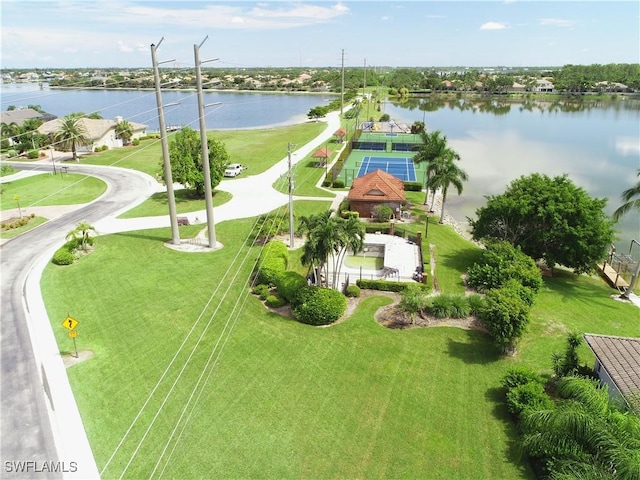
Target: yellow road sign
70, 323
73, 333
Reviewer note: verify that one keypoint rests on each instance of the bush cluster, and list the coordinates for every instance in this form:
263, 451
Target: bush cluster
275, 301
337, 183
273, 261
525, 391
449, 306
261, 290
382, 213
347, 214
20, 222
288, 284
33, 154
318, 305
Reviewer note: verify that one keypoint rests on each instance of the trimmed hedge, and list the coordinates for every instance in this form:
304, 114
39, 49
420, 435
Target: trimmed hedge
318, 305
289, 283
275, 301
273, 261
413, 186
352, 291
62, 257
384, 285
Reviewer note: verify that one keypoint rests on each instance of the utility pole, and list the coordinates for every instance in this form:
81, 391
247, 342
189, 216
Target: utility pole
342, 87
208, 197
364, 81
175, 233
290, 175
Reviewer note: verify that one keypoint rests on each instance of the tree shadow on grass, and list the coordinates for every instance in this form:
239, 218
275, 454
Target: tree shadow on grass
513, 453
477, 350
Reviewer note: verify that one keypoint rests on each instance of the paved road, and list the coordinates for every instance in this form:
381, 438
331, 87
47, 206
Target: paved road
40, 422
33, 426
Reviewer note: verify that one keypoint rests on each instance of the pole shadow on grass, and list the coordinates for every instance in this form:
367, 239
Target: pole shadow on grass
477, 350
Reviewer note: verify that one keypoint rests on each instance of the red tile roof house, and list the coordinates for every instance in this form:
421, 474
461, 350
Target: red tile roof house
618, 365
373, 189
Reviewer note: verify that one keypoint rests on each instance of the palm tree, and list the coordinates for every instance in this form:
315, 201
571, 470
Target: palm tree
630, 202
71, 133
586, 434
329, 236
124, 130
83, 231
434, 147
447, 173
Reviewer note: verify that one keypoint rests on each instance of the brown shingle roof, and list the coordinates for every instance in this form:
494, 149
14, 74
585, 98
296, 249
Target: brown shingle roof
620, 357
322, 152
377, 185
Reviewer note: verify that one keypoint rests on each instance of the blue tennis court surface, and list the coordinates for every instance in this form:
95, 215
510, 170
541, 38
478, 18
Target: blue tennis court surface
401, 168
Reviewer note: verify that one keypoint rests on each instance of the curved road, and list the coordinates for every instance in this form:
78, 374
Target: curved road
40, 424
32, 379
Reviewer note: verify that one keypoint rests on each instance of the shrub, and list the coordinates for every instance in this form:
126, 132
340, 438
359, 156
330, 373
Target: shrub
413, 300
506, 316
476, 303
261, 290
326, 183
517, 376
413, 186
347, 214
459, 306
135, 142
353, 291
273, 260
529, 396
382, 213
319, 306
12, 153
288, 283
7, 170
449, 306
33, 154
501, 262
383, 285
62, 257
275, 301
338, 183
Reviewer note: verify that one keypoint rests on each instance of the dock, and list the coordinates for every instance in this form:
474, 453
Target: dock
613, 277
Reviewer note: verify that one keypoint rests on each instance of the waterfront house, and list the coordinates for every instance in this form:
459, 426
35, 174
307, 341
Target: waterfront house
100, 132
617, 365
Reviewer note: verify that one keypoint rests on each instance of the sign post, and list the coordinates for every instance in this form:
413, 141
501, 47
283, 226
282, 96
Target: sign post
70, 324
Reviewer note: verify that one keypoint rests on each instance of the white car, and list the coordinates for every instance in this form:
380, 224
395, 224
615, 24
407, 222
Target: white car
233, 170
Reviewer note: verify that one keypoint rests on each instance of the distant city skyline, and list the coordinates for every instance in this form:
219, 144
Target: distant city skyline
101, 34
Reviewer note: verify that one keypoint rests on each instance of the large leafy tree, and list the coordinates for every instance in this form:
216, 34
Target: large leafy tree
71, 134
185, 152
548, 218
631, 199
585, 435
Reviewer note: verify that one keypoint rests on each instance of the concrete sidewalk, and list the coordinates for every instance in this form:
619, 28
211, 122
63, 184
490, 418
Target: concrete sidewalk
252, 195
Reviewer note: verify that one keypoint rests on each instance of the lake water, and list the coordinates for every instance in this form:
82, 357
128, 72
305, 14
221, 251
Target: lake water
235, 110
596, 143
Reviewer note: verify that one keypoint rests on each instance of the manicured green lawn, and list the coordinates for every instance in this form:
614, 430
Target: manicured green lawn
280, 399
45, 190
185, 203
258, 149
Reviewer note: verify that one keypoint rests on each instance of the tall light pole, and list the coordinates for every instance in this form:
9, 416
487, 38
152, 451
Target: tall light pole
208, 197
168, 177
290, 175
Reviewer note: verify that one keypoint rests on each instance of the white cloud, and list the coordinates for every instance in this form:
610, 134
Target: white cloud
628, 146
556, 22
124, 48
493, 26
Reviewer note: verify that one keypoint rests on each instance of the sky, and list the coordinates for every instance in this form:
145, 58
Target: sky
118, 33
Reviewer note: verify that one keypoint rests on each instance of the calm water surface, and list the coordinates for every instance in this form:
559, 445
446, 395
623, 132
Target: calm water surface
596, 144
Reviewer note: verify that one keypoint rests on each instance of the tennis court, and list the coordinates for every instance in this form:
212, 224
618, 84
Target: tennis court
402, 168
